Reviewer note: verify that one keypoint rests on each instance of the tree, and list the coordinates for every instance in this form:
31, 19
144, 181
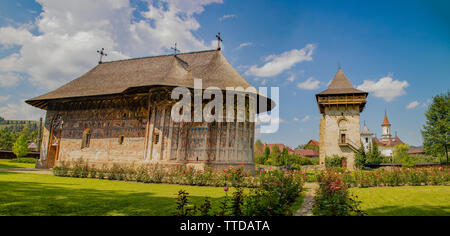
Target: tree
374, 156
284, 157
275, 155
266, 155
436, 131
7, 139
401, 155
360, 158
259, 147
20, 147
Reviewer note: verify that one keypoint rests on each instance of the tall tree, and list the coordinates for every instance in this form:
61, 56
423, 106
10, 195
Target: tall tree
436, 131
20, 147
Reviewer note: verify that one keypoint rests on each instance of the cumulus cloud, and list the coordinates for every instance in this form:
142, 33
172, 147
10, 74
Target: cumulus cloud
70, 32
20, 111
277, 64
309, 84
412, 105
385, 88
9, 79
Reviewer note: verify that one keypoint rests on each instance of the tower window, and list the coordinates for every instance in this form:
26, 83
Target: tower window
367, 140
121, 139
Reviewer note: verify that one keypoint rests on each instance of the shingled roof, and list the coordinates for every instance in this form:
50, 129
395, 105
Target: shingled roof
341, 85
116, 77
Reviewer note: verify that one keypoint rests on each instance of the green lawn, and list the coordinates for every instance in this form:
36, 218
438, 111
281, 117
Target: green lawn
34, 194
8, 164
405, 201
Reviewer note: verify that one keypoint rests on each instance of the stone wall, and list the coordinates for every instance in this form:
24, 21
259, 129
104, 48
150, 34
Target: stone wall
335, 121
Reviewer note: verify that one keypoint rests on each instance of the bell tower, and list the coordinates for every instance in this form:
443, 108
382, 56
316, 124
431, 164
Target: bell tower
386, 127
340, 106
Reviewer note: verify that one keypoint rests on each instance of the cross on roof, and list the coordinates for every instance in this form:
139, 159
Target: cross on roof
175, 49
102, 53
219, 39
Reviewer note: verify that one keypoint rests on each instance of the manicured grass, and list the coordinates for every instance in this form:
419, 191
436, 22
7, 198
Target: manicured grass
405, 201
8, 164
33, 194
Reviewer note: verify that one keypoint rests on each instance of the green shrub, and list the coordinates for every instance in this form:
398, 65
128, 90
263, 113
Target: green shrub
333, 198
333, 162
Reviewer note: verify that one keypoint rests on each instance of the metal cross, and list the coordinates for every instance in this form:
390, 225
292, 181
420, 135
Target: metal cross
102, 53
219, 39
175, 49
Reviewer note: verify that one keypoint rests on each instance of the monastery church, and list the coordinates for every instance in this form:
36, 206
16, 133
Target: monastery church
386, 143
120, 112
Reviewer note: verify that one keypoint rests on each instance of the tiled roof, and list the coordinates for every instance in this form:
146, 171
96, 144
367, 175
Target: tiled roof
306, 153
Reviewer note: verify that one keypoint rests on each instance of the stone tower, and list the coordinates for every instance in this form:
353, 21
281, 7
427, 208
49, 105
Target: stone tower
386, 127
340, 106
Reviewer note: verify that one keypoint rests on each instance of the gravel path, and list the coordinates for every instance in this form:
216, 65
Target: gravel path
308, 201
28, 171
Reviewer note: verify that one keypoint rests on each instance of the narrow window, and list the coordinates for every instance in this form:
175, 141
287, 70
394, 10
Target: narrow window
121, 139
86, 139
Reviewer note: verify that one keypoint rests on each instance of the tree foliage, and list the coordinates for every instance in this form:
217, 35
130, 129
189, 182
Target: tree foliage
436, 131
20, 147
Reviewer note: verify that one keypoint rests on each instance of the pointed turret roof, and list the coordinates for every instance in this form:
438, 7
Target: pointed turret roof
365, 130
341, 85
386, 121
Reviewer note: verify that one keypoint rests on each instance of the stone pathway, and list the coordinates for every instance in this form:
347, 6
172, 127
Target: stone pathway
308, 201
28, 171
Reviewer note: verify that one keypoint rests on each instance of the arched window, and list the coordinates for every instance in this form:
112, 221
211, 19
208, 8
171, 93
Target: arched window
86, 139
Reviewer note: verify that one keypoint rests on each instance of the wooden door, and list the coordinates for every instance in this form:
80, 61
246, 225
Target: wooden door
53, 148
344, 163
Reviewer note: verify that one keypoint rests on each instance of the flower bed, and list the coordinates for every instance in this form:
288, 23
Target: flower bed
153, 173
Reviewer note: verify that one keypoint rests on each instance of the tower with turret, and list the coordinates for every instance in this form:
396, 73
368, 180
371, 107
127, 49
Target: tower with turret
386, 129
340, 106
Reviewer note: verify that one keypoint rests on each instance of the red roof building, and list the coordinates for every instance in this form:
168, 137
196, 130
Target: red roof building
313, 142
306, 153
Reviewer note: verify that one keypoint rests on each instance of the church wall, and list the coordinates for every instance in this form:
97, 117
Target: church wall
149, 136
334, 121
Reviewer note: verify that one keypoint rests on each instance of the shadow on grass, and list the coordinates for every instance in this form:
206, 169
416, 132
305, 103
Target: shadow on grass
35, 198
422, 210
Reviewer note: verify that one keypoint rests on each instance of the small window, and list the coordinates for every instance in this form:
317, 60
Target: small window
367, 140
156, 137
121, 139
86, 140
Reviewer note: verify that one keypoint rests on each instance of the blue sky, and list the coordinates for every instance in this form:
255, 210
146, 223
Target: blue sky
398, 50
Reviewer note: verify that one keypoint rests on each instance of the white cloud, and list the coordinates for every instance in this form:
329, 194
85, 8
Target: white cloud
296, 119
385, 88
277, 64
70, 32
21, 111
228, 16
309, 84
306, 119
4, 98
412, 105
243, 45
9, 79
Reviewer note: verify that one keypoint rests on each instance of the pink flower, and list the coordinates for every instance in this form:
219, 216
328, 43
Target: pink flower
225, 189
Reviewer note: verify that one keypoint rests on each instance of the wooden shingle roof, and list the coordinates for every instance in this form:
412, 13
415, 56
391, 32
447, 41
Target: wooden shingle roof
341, 85
116, 77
